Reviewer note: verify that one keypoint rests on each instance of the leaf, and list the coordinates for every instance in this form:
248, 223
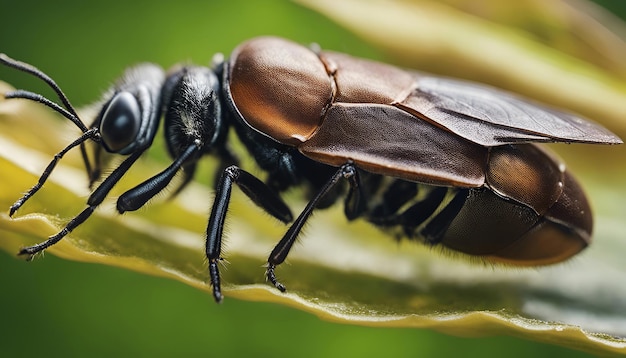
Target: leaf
348, 273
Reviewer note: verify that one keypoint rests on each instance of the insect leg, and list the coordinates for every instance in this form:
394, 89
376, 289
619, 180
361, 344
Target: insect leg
419, 212
258, 192
226, 159
93, 173
90, 134
353, 207
436, 228
136, 197
355, 204
94, 200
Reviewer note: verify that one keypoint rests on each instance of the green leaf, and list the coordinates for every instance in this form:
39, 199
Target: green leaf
350, 272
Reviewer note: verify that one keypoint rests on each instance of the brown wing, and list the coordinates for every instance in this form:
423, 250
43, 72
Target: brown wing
479, 113
492, 117
428, 129
386, 140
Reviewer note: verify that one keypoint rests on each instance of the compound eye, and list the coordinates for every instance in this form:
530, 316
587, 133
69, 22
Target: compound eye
120, 122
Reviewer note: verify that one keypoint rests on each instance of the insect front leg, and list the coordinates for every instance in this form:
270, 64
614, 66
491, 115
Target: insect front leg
258, 192
90, 134
354, 207
96, 198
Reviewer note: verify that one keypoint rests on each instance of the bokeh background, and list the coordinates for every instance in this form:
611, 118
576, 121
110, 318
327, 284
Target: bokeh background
54, 307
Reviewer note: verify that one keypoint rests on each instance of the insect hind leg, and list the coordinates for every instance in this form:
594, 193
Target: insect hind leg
354, 207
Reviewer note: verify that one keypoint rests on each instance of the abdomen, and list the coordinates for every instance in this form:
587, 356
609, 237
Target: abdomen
530, 212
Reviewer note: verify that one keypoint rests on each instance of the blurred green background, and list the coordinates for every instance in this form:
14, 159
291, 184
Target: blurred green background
54, 307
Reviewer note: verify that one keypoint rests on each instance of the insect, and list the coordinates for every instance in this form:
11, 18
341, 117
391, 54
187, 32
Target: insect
438, 160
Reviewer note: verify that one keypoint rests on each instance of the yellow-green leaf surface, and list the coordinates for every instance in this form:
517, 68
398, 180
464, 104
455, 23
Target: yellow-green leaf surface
350, 272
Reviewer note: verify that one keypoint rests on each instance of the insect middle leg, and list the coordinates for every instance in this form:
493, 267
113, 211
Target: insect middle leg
259, 192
